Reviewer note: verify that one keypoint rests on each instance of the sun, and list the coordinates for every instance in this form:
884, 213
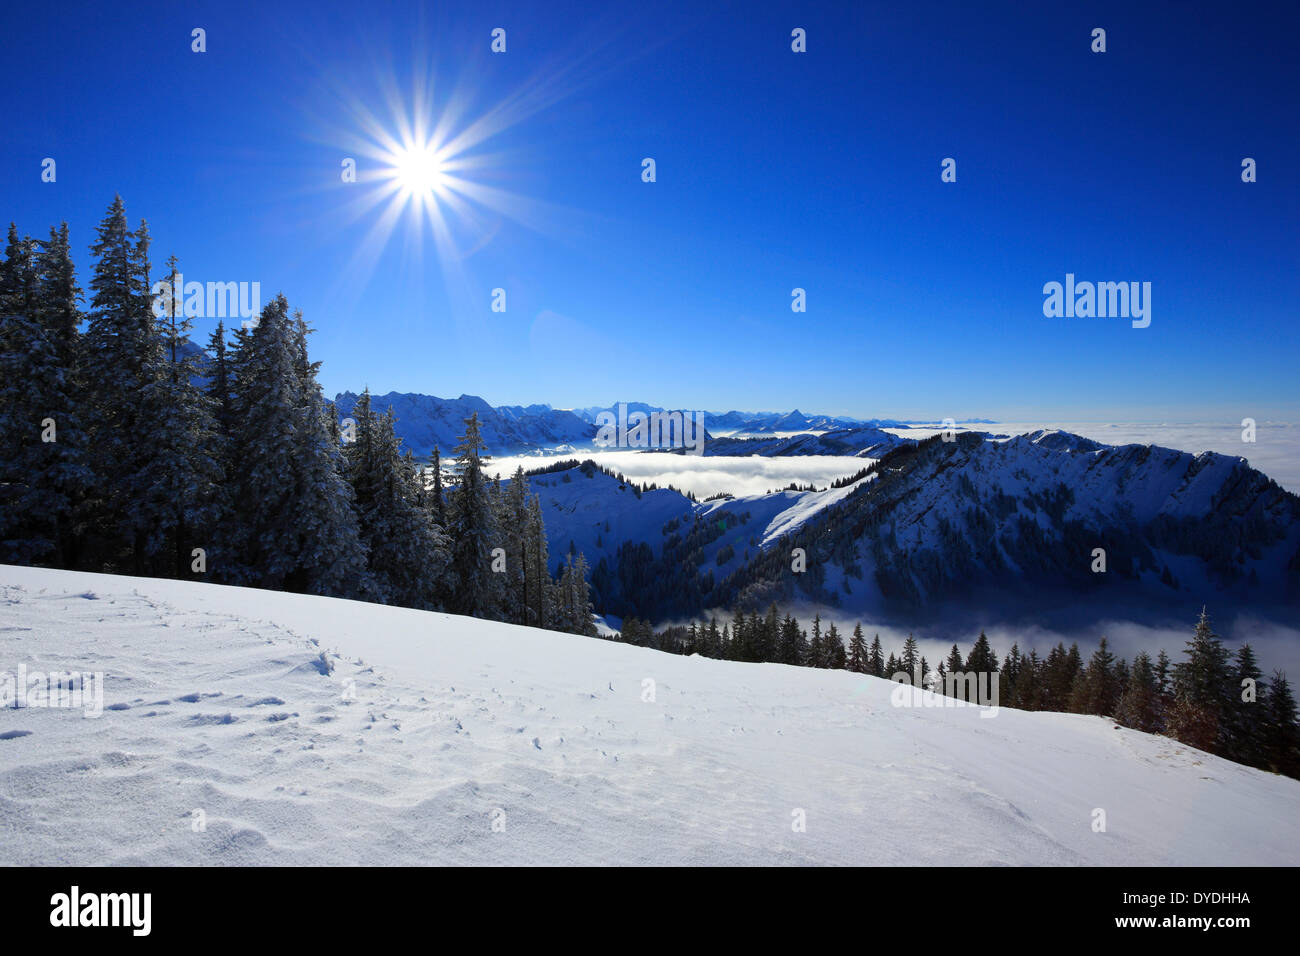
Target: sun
420, 172
429, 169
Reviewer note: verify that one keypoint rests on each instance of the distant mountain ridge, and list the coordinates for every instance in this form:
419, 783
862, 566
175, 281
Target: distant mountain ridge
424, 421
427, 420
755, 423
933, 526
1030, 516
861, 441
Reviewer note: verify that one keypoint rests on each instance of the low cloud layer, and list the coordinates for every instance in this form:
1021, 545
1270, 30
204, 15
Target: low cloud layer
708, 475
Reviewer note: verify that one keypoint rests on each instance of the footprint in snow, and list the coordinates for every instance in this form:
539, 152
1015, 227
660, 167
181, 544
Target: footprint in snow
213, 719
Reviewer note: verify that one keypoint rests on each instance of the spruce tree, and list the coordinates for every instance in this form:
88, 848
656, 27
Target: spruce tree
406, 555
58, 295
265, 404
18, 275
1202, 691
1139, 707
1097, 688
857, 660
64, 469
875, 661
739, 645
541, 602
953, 666
180, 441
1009, 675
576, 610
438, 498
43, 474
1248, 704
1282, 735
713, 640
1029, 685
982, 660
219, 381
835, 658
512, 519
789, 652
29, 506
769, 636
1162, 673
298, 527
911, 661
331, 557
123, 362
474, 530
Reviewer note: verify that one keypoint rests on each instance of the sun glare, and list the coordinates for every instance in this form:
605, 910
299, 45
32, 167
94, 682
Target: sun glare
420, 172
424, 173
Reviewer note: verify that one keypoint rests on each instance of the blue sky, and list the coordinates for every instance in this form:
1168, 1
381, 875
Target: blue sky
775, 170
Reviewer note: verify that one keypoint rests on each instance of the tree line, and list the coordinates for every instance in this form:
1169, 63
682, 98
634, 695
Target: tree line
1215, 700
127, 449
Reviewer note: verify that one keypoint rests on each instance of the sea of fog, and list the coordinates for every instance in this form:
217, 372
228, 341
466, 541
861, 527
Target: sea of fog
707, 475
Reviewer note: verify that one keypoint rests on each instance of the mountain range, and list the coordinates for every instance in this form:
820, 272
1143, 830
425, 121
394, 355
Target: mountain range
1030, 525
426, 420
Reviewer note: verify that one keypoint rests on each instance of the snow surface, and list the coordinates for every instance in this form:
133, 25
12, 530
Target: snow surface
220, 707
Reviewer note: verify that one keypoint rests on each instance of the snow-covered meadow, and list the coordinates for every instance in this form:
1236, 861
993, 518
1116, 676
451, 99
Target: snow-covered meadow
437, 739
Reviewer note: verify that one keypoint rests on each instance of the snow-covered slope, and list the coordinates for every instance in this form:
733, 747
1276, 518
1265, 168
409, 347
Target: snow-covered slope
430, 728
596, 513
986, 522
784, 512
1025, 515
